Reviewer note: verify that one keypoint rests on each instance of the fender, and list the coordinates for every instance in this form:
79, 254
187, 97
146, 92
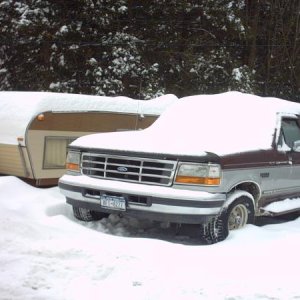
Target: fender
235, 195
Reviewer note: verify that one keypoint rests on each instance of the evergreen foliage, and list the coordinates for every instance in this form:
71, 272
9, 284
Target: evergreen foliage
142, 49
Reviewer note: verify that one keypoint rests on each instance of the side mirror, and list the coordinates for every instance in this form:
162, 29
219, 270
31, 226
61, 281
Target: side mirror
296, 146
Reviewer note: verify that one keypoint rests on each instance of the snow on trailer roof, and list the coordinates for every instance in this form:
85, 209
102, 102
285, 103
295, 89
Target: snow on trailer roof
225, 123
17, 109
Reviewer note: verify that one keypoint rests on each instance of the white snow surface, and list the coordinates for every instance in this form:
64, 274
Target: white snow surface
198, 124
46, 254
17, 109
281, 206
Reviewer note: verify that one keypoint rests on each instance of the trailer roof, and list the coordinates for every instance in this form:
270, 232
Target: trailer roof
17, 109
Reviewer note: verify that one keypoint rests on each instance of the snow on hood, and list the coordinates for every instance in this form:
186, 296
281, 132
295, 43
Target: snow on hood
17, 109
225, 123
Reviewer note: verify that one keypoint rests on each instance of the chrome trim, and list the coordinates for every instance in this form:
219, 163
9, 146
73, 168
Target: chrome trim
140, 170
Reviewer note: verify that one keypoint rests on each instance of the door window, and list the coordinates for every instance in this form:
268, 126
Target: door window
290, 131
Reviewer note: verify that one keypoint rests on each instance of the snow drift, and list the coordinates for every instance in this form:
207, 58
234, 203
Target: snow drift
45, 254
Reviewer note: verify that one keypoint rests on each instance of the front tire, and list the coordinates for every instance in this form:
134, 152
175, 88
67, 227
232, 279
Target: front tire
216, 230
236, 216
87, 215
240, 213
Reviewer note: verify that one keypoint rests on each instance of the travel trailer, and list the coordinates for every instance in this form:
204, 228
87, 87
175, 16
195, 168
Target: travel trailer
36, 128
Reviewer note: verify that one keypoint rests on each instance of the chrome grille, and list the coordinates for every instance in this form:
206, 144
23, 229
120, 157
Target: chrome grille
125, 168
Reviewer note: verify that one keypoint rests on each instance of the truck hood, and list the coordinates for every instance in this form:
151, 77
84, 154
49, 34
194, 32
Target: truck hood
140, 141
222, 124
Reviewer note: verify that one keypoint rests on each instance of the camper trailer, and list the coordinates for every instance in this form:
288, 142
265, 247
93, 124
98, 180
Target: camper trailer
36, 128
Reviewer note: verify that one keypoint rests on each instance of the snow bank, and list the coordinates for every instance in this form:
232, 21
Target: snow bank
18, 108
46, 254
283, 206
203, 123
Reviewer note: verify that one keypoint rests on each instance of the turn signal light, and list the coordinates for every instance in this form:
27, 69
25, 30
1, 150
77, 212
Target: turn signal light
197, 180
72, 167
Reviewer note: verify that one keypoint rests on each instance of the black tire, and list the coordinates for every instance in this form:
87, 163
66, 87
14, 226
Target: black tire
84, 214
237, 215
216, 230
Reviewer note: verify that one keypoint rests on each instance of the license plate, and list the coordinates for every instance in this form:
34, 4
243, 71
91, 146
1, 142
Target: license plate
113, 202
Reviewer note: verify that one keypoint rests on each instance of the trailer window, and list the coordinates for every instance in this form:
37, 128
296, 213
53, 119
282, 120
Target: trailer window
55, 152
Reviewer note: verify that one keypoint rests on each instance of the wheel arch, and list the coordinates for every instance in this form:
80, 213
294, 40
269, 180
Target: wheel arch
246, 188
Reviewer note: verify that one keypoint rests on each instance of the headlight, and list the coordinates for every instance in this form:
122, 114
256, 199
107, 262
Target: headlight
73, 161
205, 174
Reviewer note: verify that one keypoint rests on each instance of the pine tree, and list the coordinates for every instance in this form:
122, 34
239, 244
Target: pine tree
79, 46
145, 48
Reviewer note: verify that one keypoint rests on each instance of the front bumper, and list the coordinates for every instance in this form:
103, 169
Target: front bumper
159, 203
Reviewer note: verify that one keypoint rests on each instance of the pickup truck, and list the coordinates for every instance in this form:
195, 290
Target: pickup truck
218, 161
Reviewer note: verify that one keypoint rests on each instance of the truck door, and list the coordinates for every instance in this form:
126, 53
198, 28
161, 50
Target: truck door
291, 133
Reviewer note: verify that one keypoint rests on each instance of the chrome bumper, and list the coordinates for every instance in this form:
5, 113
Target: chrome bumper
159, 202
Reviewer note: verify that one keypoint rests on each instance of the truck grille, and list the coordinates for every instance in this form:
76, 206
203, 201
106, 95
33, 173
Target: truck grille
123, 168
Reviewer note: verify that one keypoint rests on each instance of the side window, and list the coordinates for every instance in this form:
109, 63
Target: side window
290, 131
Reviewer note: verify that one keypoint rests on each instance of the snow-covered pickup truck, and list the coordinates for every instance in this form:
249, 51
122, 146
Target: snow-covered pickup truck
214, 160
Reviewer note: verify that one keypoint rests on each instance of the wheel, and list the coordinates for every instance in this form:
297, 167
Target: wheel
240, 213
236, 216
84, 214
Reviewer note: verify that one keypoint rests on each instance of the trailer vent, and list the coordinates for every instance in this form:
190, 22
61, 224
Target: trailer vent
123, 168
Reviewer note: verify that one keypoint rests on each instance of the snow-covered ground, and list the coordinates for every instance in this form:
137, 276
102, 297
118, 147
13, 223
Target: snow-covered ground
46, 254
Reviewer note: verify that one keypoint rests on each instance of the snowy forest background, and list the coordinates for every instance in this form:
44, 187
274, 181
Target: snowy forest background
142, 49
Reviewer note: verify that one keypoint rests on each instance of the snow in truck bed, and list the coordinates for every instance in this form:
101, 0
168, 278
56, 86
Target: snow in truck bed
197, 124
